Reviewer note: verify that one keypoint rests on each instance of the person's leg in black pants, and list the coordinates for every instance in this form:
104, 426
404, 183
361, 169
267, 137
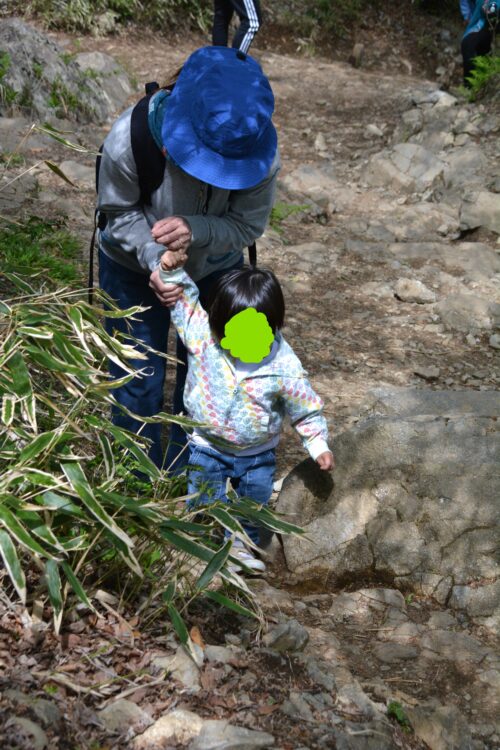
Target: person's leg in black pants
250, 20
223, 12
473, 45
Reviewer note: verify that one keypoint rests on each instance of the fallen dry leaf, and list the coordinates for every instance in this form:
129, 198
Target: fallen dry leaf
197, 637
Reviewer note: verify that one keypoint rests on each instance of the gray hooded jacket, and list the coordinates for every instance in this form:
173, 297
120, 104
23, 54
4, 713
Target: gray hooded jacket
221, 226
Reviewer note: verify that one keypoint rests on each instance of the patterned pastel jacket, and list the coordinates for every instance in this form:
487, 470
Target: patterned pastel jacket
237, 414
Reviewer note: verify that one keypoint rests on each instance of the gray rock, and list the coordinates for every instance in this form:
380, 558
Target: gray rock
45, 81
452, 646
319, 676
220, 654
375, 735
407, 167
220, 735
177, 726
46, 711
494, 341
351, 698
411, 123
412, 290
112, 78
441, 727
364, 604
297, 707
482, 210
289, 636
37, 737
465, 167
480, 601
122, 715
181, 667
468, 312
475, 259
441, 621
392, 652
372, 130
415, 494
427, 373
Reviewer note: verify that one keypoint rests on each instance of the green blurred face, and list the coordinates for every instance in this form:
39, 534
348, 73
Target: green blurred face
249, 336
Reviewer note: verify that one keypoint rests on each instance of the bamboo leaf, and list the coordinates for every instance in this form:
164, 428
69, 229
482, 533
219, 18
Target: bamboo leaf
8, 408
181, 630
213, 567
21, 381
145, 464
58, 171
12, 564
261, 514
229, 603
46, 535
108, 456
55, 592
186, 545
57, 135
76, 585
78, 480
41, 478
224, 518
17, 530
37, 446
169, 592
188, 526
36, 333
53, 501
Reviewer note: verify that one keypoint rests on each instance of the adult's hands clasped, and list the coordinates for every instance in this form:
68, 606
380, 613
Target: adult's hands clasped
175, 234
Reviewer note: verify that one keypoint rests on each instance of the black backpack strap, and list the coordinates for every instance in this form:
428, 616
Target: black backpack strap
97, 219
149, 160
252, 255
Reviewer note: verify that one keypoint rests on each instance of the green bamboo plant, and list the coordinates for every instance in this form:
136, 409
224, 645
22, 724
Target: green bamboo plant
82, 507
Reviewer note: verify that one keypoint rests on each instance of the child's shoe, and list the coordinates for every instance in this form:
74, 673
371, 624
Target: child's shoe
247, 557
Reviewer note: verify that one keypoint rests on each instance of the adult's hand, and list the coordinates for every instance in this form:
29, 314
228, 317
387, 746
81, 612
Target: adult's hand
174, 233
168, 294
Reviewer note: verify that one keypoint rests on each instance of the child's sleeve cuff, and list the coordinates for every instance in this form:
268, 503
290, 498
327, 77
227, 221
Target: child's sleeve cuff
316, 447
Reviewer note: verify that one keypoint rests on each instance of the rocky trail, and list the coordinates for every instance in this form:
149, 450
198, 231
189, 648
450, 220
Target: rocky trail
381, 625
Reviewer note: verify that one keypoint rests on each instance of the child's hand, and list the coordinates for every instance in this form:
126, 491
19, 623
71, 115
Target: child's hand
326, 461
170, 260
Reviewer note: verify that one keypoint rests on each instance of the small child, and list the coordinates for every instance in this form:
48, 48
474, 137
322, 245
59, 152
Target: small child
239, 399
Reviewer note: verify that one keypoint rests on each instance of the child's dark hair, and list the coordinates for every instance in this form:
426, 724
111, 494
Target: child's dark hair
242, 288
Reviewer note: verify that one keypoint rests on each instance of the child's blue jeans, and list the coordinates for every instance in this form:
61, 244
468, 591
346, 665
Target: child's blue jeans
251, 476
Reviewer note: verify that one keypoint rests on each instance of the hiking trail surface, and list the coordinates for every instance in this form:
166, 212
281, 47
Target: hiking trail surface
385, 238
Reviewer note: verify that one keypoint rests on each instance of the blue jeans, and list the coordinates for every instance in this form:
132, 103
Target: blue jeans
144, 395
251, 476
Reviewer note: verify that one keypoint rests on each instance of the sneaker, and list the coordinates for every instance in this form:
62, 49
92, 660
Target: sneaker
247, 558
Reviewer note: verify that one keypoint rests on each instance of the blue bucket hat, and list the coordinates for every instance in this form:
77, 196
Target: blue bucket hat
217, 124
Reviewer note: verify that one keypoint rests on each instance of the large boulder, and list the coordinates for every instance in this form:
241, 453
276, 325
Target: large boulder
406, 167
40, 79
414, 497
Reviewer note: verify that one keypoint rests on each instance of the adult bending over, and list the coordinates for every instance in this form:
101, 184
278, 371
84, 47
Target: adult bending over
215, 130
